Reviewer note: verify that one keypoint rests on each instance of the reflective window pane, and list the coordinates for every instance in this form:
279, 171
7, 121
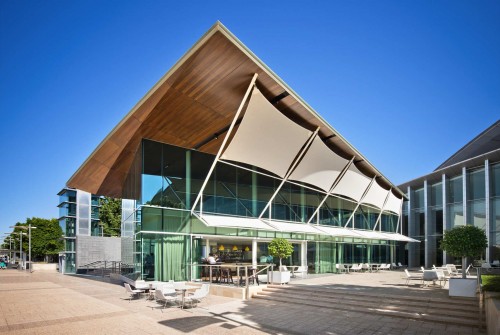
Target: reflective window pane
455, 190
476, 187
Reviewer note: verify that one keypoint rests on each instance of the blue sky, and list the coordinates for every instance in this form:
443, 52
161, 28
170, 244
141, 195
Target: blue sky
408, 83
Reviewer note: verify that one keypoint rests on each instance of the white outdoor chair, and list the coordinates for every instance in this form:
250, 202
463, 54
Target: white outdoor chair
302, 270
198, 295
442, 277
161, 298
132, 293
394, 266
356, 267
401, 265
384, 267
452, 270
412, 276
365, 267
341, 268
429, 275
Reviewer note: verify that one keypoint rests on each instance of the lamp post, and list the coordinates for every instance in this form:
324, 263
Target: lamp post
29, 241
10, 246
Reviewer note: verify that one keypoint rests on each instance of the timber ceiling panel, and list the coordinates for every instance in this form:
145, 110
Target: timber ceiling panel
195, 100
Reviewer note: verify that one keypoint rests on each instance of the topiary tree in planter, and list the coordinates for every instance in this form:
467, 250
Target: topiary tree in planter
281, 248
464, 241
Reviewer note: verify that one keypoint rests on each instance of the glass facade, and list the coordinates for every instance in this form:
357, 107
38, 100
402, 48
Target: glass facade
78, 215
495, 211
169, 241
482, 191
455, 202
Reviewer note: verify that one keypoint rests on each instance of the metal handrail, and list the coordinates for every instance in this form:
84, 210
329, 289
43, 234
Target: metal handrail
238, 267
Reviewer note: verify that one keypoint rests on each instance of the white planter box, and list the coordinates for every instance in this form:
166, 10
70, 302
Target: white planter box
463, 287
277, 277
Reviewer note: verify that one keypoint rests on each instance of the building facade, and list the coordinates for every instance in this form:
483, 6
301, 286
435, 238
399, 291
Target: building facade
464, 190
221, 156
78, 216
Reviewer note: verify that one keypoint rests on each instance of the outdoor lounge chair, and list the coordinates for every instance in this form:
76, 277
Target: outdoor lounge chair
132, 293
365, 267
412, 276
356, 267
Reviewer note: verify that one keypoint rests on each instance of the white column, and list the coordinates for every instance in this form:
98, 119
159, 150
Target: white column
303, 253
207, 248
254, 253
445, 212
464, 193
427, 238
487, 207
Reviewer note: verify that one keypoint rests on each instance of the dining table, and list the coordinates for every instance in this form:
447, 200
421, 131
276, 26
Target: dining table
183, 288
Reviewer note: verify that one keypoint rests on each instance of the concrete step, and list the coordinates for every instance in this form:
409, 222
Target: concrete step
409, 307
458, 306
376, 304
371, 293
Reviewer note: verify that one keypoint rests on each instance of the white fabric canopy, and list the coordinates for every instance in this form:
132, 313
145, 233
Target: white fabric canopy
393, 204
376, 195
337, 231
353, 184
398, 237
234, 222
294, 227
373, 235
367, 234
266, 138
320, 166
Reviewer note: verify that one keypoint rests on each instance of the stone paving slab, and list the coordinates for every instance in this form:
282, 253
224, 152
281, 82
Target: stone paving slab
51, 303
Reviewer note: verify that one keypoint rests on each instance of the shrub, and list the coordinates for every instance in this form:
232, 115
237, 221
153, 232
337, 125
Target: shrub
491, 283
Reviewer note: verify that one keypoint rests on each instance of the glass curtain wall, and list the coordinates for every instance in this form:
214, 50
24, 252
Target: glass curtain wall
418, 225
455, 199
435, 226
495, 212
171, 178
476, 198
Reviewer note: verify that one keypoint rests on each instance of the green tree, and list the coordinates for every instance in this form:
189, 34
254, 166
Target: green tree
281, 248
464, 241
110, 215
46, 242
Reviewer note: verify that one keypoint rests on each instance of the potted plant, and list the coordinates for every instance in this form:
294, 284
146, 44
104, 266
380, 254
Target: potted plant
464, 241
280, 248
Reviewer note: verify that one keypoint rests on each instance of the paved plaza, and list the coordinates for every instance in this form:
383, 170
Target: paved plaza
51, 303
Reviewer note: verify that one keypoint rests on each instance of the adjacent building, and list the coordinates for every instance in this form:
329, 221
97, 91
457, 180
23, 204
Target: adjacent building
83, 234
465, 189
222, 156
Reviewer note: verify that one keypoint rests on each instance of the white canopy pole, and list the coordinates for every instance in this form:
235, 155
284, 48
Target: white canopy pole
297, 160
238, 112
339, 177
382, 209
399, 217
359, 202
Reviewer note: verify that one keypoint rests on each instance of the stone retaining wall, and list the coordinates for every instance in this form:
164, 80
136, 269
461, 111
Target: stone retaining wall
492, 310
52, 267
